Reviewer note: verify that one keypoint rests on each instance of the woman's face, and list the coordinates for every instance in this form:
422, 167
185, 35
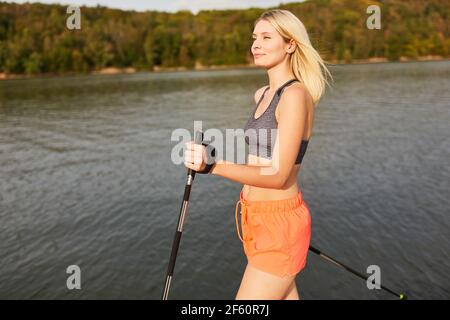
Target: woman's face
269, 47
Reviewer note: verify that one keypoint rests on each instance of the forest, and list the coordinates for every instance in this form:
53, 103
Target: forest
34, 38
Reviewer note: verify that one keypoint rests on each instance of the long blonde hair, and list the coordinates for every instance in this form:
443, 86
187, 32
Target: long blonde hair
305, 61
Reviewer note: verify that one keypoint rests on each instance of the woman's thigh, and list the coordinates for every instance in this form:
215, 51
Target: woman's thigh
260, 285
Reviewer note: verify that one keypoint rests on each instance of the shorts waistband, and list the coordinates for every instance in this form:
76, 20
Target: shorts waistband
273, 205
262, 206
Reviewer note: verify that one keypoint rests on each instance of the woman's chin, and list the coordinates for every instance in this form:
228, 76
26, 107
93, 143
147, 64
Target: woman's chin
259, 63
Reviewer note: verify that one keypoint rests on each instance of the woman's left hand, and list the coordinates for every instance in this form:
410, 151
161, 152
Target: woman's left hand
194, 156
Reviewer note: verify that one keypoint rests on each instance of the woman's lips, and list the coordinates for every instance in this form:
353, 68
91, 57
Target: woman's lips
258, 55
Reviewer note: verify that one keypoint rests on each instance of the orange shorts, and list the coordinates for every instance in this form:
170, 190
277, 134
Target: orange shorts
275, 234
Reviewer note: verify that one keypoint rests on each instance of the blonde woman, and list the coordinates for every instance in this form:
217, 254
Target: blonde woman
275, 219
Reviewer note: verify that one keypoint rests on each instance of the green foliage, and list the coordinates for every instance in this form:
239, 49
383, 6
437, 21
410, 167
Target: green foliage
34, 37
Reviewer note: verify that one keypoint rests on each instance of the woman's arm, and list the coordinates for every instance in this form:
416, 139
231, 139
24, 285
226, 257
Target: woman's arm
291, 123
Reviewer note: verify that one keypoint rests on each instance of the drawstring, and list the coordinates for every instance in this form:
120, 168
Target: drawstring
243, 217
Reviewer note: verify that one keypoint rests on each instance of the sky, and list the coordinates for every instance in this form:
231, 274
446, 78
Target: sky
169, 5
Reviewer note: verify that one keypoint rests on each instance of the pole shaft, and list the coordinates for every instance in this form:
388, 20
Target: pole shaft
178, 233
359, 274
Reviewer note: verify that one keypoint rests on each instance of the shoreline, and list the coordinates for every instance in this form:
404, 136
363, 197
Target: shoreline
199, 67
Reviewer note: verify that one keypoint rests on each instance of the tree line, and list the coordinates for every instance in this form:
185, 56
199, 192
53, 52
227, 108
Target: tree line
34, 37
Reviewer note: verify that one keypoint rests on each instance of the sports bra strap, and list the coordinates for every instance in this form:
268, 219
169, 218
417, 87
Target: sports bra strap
262, 96
280, 90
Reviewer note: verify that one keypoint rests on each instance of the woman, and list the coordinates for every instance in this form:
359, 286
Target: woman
275, 220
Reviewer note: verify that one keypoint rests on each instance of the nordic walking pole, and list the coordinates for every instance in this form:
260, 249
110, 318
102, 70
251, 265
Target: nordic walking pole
176, 241
401, 296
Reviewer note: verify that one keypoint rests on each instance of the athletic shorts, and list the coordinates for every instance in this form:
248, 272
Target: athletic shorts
275, 234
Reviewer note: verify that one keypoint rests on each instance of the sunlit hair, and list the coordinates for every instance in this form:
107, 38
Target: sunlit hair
306, 63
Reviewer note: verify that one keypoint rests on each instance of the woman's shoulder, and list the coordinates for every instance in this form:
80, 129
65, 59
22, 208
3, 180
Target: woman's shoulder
299, 91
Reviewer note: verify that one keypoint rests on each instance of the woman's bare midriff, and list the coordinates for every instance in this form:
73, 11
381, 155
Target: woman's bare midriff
289, 190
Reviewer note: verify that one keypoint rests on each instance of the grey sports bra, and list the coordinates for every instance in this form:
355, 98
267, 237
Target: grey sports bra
258, 133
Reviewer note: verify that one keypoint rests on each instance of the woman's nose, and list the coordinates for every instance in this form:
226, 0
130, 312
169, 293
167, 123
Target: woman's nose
256, 44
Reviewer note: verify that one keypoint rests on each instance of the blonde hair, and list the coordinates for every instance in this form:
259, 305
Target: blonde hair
305, 61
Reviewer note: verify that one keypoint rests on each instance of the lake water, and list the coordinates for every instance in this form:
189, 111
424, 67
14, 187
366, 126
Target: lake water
86, 179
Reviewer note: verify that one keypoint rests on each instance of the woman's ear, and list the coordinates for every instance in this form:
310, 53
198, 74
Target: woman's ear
292, 46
